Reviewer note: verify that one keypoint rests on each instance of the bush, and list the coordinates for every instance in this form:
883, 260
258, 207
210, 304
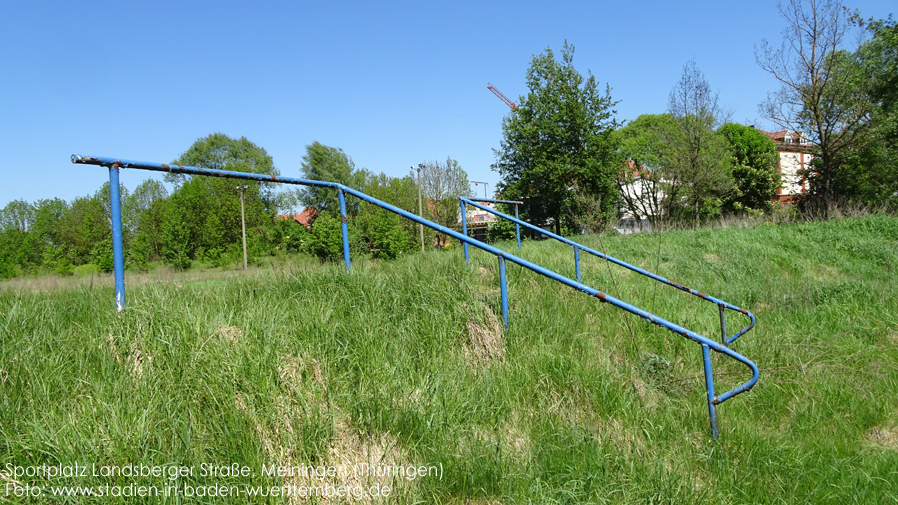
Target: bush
64, 267
87, 269
326, 240
388, 237
7, 269
501, 229
288, 236
102, 255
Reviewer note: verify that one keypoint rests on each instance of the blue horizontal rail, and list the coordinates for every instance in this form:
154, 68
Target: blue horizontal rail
464, 219
116, 164
580, 247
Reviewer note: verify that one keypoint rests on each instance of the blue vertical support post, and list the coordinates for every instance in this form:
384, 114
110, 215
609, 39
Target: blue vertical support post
345, 228
118, 261
723, 325
517, 227
464, 227
577, 261
504, 289
709, 385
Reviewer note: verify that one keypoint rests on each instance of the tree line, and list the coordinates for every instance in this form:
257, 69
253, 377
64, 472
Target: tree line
199, 220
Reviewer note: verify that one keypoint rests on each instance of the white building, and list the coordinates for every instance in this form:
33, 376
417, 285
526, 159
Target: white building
795, 155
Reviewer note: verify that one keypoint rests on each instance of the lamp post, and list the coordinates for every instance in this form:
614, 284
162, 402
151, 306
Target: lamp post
486, 187
243, 222
420, 207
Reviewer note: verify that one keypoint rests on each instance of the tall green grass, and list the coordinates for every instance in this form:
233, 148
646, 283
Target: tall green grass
405, 362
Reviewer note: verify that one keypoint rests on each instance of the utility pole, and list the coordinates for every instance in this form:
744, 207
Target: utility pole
243, 222
420, 208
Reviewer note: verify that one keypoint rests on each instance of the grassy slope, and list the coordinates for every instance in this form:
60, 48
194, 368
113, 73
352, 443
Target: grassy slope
403, 362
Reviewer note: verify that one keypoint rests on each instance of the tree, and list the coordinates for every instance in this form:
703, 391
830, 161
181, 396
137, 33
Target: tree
137, 204
202, 217
820, 93
755, 161
146, 206
330, 164
641, 180
221, 152
386, 233
870, 175
441, 185
698, 158
17, 215
84, 224
45, 237
558, 139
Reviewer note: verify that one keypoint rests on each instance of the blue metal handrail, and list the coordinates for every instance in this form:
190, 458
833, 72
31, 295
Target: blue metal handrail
722, 305
464, 218
116, 164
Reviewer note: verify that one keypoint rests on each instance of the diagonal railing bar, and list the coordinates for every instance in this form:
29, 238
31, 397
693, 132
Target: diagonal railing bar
116, 164
722, 305
464, 220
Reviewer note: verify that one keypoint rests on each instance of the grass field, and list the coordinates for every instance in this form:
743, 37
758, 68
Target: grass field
405, 364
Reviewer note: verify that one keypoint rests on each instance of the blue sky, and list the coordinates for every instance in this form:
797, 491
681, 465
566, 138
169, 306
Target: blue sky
391, 83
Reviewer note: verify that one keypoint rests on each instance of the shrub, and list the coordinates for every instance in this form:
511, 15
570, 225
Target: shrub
326, 240
388, 237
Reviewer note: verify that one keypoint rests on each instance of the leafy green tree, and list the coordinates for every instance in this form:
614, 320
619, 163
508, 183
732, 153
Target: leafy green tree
641, 179
441, 185
698, 159
202, 217
382, 231
102, 256
17, 215
558, 138
221, 152
289, 237
141, 201
18, 245
84, 224
7, 262
146, 211
755, 161
870, 174
329, 164
177, 244
45, 238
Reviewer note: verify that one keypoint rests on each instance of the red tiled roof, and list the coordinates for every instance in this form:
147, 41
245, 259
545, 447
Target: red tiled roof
305, 218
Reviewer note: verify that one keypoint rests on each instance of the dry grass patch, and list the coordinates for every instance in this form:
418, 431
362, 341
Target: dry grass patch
298, 370
883, 436
229, 334
135, 359
485, 342
137, 362
357, 462
624, 438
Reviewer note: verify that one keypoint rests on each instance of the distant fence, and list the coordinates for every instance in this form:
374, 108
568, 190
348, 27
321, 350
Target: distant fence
116, 164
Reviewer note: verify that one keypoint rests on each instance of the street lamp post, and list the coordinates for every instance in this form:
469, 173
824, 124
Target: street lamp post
243, 222
420, 207
486, 187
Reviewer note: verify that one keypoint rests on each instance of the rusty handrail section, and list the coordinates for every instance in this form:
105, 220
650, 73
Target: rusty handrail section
116, 164
723, 305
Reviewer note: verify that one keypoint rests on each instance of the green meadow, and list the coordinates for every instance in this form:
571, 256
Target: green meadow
398, 378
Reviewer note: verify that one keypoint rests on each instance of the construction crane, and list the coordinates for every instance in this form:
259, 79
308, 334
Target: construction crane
502, 97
